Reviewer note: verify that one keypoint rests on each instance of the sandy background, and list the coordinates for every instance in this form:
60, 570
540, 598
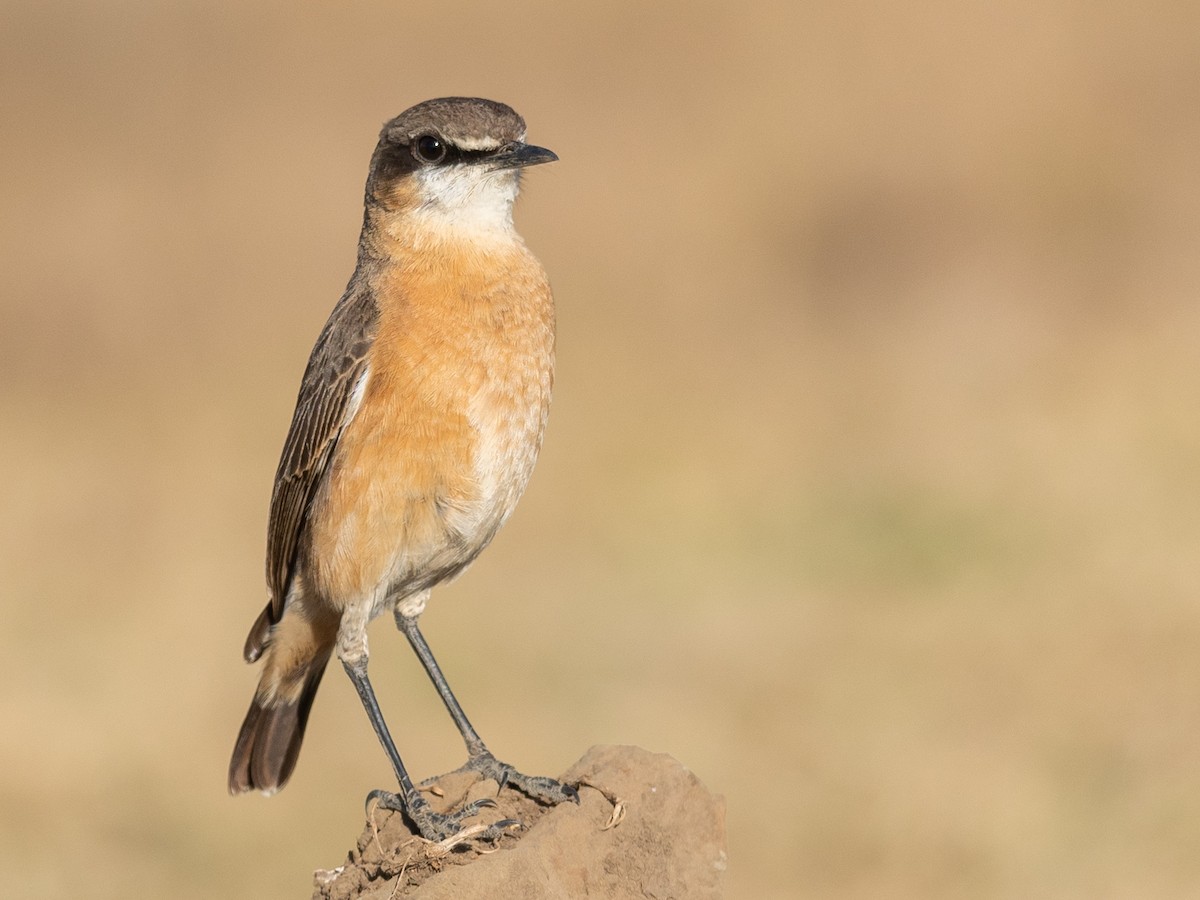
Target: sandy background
872, 487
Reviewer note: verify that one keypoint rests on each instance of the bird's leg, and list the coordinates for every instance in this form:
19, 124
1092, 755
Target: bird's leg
479, 758
432, 825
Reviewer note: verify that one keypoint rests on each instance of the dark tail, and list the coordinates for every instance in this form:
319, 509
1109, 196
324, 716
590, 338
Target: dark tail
269, 742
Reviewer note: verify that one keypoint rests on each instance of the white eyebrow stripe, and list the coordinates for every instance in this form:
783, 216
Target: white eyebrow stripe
482, 143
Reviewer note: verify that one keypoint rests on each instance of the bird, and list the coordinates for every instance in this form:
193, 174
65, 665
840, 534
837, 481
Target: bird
419, 420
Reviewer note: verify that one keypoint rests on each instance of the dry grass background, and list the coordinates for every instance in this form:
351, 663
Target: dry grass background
871, 489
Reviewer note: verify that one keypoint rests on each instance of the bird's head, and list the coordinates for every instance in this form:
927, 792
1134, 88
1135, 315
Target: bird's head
452, 163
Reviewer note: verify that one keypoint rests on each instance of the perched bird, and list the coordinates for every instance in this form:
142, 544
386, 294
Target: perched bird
419, 420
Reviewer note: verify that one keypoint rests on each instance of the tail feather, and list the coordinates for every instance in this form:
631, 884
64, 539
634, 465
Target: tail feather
259, 636
269, 743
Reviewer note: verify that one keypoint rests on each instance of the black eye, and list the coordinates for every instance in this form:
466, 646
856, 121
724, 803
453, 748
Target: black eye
429, 148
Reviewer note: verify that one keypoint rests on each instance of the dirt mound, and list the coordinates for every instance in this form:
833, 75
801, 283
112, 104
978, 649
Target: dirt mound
645, 827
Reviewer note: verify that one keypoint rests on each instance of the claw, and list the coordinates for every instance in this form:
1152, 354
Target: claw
502, 776
385, 800
474, 807
496, 830
545, 790
431, 825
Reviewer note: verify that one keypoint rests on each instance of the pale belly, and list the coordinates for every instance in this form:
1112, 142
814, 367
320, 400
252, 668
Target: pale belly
416, 492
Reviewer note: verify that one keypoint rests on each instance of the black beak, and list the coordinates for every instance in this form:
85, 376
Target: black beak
516, 155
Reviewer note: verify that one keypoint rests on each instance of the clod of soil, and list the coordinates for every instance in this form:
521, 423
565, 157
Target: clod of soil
645, 827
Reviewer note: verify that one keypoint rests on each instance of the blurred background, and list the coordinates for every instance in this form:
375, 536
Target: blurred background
870, 491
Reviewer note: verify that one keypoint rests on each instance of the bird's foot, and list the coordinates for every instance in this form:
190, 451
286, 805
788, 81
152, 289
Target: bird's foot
437, 827
545, 790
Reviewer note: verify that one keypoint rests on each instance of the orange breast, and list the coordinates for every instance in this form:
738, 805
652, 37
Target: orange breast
449, 425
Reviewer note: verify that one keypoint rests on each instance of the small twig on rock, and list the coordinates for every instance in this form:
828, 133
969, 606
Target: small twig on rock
618, 811
375, 828
438, 849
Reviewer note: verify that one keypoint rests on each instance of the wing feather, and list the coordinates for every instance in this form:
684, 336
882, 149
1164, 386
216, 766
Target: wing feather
332, 382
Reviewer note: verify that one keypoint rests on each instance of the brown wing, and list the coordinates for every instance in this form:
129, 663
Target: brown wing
337, 364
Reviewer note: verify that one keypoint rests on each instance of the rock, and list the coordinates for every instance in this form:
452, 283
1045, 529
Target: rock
645, 827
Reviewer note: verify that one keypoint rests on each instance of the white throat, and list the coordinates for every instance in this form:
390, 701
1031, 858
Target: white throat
470, 201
